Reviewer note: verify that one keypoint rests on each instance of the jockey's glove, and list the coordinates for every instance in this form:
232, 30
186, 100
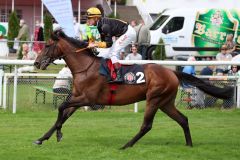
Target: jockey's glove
101, 44
95, 51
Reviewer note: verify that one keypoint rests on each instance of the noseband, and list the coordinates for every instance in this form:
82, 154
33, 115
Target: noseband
51, 58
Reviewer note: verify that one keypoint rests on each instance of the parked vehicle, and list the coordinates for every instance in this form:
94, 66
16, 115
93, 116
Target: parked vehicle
197, 32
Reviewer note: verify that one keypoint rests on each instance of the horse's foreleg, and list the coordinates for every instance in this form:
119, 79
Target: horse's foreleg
146, 126
67, 113
47, 135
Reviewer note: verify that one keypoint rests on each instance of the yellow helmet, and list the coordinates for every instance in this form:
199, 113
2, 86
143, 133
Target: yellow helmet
93, 12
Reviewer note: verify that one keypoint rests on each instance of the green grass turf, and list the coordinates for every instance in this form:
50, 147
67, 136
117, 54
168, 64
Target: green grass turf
100, 134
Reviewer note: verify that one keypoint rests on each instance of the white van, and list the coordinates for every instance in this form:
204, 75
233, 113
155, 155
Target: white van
198, 32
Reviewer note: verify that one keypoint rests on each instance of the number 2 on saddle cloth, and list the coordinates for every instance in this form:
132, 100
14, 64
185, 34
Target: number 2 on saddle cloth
132, 74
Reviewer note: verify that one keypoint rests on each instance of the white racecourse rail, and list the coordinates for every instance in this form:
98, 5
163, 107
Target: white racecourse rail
30, 62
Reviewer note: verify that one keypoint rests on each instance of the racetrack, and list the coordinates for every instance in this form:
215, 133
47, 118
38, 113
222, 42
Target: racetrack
99, 135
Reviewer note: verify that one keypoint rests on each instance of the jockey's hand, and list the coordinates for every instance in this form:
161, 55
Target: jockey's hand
92, 45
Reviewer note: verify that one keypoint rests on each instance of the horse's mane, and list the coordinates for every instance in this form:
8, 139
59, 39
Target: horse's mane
74, 42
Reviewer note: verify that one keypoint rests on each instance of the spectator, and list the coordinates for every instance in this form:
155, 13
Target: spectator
76, 26
234, 71
143, 38
122, 54
62, 83
133, 23
27, 55
203, 100
23, 33
231, 45
56, 26
134, 55
188, 89
190, 69
38, 36
223, 56
208, 71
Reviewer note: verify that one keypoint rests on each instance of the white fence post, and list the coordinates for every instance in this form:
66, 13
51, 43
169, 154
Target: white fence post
15, 90
238, 93
5, 79
1, 80
135, 107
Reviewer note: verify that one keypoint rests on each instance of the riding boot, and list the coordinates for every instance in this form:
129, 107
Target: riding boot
118, 71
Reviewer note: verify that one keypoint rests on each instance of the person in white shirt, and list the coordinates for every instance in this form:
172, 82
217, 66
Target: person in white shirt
56, 26
134, 55
76, 26
27, 55
62, 83
223, 56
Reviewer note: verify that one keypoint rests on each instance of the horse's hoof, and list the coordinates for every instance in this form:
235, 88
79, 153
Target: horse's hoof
59, 136
37, 142
122, 148
189, 145
125, 147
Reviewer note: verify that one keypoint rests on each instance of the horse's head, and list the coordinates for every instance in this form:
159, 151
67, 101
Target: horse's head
50, 53
59, 46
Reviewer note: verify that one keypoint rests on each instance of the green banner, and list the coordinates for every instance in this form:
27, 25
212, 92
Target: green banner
211, 28
236, 15
3, 31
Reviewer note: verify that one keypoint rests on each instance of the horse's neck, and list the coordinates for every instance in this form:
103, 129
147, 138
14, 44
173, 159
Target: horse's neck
80, 62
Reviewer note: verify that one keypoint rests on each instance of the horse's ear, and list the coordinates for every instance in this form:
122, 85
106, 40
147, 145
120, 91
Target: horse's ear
58, 34
54, 36
50, 41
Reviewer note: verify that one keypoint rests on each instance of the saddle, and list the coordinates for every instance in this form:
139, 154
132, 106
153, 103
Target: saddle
132, 74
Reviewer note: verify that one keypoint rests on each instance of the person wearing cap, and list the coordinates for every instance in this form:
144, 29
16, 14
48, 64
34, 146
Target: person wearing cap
109, 28
23, 34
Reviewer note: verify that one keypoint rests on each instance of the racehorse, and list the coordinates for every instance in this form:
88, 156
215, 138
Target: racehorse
89, 87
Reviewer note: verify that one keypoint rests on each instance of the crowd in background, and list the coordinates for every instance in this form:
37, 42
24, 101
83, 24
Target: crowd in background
227, 52
135, 50
83, 32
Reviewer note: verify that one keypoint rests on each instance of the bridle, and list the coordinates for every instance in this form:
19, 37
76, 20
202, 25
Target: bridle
50, 56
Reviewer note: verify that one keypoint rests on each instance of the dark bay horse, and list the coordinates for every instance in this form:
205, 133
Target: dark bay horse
89, 87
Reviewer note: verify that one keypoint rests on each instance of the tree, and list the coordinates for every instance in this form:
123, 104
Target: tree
48, 26
112, 16
13, 28
20, 55
160, 53
119, 2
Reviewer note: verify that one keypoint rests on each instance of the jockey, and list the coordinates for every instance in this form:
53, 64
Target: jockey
108, 29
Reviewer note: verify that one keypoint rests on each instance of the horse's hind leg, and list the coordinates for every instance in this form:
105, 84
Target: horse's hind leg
146, 125
182, 120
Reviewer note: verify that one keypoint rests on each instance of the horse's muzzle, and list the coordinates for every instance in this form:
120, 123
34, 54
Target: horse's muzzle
36, 64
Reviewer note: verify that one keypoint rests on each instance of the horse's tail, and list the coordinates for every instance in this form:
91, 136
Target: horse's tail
223, 93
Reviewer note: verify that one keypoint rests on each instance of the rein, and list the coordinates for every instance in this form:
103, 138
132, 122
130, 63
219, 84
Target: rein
86, 68
82, 49
79, 50
51, 58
